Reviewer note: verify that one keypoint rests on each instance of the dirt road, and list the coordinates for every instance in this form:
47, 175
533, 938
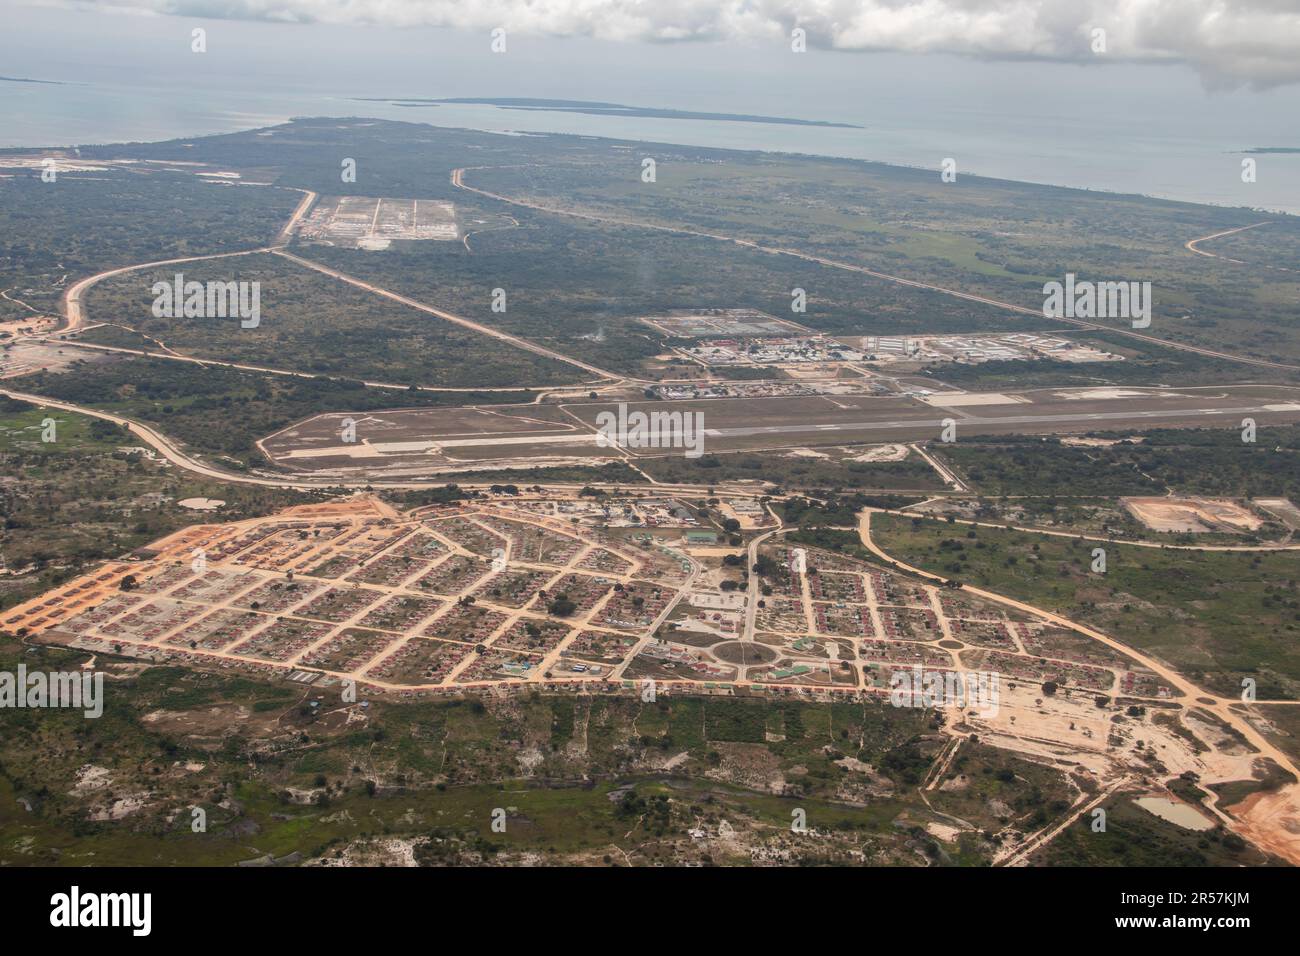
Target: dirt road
457, 179
451, 317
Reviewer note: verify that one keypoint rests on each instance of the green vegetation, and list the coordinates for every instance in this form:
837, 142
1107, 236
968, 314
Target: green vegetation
995, 238
93, 494
993, 789
1145, 363
83, 224
1218, 616
1135, 838
292, 781
1286, 721
834, 510
1189, 461
223, 411
316, 324
845, 542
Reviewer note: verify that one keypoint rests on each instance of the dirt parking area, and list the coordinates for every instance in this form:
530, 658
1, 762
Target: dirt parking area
1194, 515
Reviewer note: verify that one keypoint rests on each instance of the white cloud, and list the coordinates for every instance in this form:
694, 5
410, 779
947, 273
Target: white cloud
1228, 42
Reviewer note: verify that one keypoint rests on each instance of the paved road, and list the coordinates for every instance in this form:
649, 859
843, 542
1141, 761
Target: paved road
1128, 416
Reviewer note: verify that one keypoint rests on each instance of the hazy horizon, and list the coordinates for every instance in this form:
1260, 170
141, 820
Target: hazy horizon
1152, 128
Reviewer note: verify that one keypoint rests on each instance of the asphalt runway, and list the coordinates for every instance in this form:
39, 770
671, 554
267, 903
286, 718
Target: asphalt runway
426, 441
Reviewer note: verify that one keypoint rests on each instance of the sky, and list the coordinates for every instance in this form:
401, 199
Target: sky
1226, 43
1194, 55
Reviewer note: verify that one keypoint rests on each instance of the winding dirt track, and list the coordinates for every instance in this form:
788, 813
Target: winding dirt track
1192, 245
74, 310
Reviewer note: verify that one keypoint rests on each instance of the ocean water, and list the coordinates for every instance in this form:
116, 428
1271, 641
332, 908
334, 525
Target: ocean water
1148, 154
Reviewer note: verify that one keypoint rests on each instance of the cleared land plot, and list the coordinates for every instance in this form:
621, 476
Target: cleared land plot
453, 576
283, 640
1192, 514
278, 595
466, 623
365, 222
420, 661
338, 604
1283, 509
730, 322
538, 637
513, 588
219, 629
400, 612
601, 646
350, 650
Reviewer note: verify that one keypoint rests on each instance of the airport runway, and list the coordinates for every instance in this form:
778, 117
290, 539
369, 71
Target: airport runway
398, 441
985, 424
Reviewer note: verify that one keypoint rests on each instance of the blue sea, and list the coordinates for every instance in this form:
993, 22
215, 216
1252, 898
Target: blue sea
1169, 158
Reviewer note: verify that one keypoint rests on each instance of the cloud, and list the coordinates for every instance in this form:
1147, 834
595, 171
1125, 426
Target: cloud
1230, 43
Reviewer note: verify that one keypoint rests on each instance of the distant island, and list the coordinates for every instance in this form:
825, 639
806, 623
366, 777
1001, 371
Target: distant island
600, 109
1274, 149
23, 79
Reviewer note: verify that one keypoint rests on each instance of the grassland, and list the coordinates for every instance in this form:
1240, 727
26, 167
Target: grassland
1188, 461
1217, 616
997, 238
1135, 838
